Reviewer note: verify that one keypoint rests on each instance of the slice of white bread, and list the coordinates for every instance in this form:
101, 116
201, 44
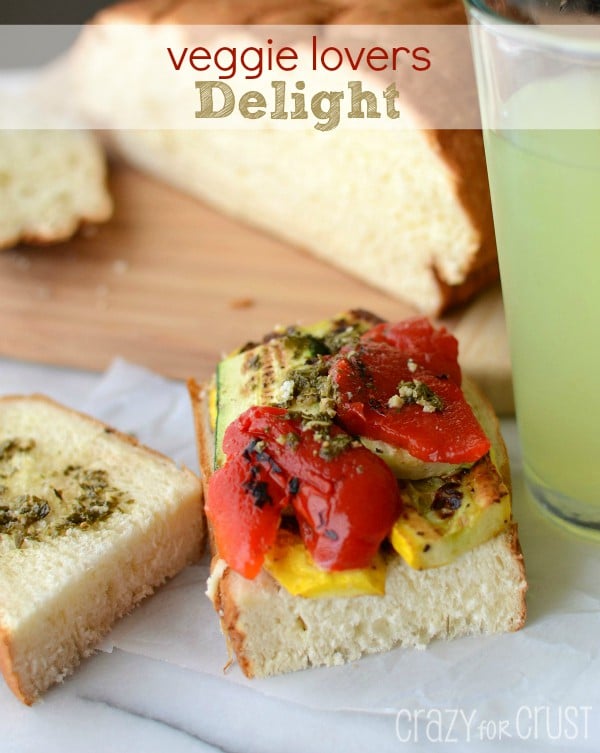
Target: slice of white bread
64, 582
405, 211
51, 183
271, 632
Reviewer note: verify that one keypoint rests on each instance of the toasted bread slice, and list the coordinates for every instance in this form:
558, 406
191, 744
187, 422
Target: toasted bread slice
271, 632
90, 523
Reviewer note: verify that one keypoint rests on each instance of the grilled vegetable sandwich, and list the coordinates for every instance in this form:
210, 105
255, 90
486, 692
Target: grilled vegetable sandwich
90, 523
357, 491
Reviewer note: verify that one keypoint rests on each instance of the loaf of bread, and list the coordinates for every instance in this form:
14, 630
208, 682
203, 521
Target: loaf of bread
271, 631
51, 183
407, 211
91, 522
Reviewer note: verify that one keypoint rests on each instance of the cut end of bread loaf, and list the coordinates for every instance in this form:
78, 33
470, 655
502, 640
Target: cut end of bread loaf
67, 577
51, 184
398, 212
480, 593
406, 211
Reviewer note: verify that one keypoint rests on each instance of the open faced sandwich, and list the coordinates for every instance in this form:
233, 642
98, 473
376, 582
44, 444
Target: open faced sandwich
358, 495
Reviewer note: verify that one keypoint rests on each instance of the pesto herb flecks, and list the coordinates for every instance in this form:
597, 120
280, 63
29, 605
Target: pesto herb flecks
97, 499
308, 386
57, 500
332, 446
9, 447
416, 392
26, 510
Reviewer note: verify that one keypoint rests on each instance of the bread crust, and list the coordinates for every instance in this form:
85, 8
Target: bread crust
199, 400
265, 12
515, 545
133, 441
226, 583
229, 614
7, 667
41, 240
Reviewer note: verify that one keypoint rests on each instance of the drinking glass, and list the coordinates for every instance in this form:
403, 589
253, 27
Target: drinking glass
538, 78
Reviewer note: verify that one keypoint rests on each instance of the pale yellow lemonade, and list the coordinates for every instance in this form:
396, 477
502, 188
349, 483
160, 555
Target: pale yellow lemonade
545, 188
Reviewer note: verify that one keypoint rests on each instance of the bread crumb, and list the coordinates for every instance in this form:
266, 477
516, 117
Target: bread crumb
120, 266
241, 303
102, 292
88, 230
42, 293
20, 261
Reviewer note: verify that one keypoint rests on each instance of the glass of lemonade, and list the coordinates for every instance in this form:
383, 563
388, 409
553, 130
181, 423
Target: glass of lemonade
539, 91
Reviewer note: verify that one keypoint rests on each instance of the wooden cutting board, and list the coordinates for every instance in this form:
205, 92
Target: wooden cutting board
171, 284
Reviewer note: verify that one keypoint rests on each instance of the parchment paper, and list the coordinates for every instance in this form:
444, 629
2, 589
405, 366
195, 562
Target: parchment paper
552, 664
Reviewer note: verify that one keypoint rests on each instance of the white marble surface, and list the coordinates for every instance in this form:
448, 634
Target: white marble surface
548, 684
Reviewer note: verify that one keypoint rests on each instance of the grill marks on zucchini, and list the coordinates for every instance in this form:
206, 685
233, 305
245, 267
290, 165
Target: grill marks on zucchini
288, 369
446, 516
447, 499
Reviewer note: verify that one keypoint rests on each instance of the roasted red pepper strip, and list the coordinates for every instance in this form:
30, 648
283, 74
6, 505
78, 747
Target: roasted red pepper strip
244, 524
368, 377
345, 498
435, 350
